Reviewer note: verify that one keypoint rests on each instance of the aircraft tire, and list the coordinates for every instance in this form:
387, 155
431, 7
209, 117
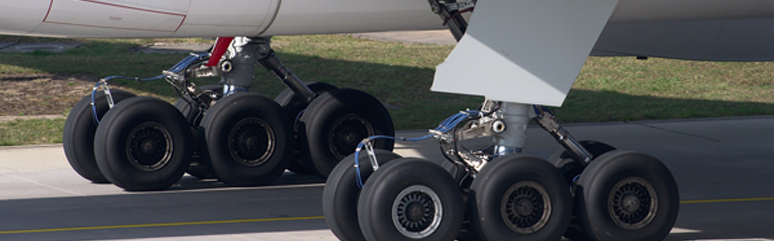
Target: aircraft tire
143, 144
196, 168
570, 169
335, 123
626, 195
341, 191
293, 106
568, 166
248, 139
410, 199
78, 135
514, 181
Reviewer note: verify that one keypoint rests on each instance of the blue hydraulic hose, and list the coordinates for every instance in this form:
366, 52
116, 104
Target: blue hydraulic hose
445, 126
177, 68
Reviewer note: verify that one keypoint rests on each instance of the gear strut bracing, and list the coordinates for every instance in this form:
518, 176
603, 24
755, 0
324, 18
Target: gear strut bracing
510, 196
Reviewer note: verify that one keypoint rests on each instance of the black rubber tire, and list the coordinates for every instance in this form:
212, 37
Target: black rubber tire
141, 119
293, 105
571, 168
335, 122
341, 192
78, 135
503, 179
410, 178
237, 160
197, 169
634, 172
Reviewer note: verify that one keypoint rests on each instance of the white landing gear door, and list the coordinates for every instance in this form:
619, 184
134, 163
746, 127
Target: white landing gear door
524, 51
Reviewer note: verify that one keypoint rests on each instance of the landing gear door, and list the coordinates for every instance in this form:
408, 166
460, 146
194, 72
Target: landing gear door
525, 51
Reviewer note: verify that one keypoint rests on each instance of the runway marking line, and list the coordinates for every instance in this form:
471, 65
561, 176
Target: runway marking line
730, 200
154, 225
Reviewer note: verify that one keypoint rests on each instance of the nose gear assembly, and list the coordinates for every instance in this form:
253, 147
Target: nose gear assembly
587, 190
224, 132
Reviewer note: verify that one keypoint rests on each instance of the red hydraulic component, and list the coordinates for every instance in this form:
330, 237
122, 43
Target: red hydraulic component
221, 44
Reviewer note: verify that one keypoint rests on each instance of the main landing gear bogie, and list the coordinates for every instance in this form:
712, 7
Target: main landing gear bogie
224, 131
586, 191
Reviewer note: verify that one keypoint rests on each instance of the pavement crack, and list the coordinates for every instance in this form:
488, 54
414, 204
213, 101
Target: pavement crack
676, 132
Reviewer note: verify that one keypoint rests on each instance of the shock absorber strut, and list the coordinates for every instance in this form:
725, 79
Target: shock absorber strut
238, 65
509, 130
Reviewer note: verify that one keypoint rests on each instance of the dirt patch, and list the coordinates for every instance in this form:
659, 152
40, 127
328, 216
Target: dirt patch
23, 95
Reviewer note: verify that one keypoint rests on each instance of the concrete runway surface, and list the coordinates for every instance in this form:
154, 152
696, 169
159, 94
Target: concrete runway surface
724, 169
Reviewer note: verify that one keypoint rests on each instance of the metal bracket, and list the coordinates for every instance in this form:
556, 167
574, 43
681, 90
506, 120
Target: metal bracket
547, 121
450, 11
269, 60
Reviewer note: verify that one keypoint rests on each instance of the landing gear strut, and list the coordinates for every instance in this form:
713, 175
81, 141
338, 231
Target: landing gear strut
510, 196
243, 139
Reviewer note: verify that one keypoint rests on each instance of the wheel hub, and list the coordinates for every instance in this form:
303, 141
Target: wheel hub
346, 134
633, 203
417, 212
251, 142
526, 207
630, 203
149, 146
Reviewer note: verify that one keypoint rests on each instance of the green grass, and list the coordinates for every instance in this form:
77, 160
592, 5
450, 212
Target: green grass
400, 75
31, 132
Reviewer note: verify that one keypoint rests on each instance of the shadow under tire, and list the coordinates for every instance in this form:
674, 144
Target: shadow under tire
410, 199
143, 144
294, 105
248, 139
78, 135
193, 116
626, 195
519, 197
335, 123
340, 195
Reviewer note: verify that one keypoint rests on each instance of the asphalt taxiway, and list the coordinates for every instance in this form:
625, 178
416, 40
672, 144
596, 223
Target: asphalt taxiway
724, 169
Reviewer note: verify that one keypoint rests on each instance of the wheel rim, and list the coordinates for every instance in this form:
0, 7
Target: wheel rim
417, 212
149, 146
251, 142
633, 203
526, 207
347, 132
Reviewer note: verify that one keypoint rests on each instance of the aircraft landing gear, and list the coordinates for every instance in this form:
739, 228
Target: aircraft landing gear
241, 138
620, 195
